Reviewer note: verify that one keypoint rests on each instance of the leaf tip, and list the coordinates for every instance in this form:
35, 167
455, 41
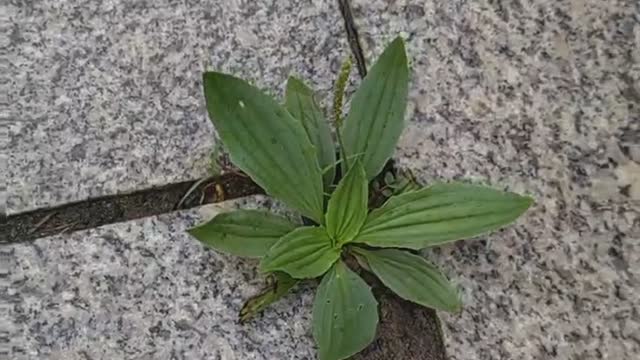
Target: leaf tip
456, 309
210, 76
295, 84
398, 41
291, 81
525, 203
194, 232
457, 305
398, 45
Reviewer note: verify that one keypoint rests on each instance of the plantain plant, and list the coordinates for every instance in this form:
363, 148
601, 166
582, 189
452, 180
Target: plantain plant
289, 151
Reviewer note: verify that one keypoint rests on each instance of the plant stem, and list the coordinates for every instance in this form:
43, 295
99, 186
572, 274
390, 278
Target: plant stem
342, 152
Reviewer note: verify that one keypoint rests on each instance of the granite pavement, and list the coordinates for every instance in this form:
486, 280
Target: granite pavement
542, 98
539, 97
146, 290
105, 96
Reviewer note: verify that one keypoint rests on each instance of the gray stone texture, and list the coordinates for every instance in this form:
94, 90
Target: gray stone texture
543, 98
145, 290
105, 96
539, 97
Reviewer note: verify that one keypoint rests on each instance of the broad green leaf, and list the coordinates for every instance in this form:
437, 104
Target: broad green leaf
412, 278
376, 118
279, 286
439, 214
301, 103
345, 314
266, 142
306, 252
347, 207
248, 233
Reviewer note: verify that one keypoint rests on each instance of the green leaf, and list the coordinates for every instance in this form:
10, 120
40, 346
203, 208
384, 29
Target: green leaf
439, 214
412, 278
376, 118
279, 285
345, 314
347, 209
266, 142
305, 252
248, 233
301, 103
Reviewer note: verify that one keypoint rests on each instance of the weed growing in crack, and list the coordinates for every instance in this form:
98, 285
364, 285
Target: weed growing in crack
290, 152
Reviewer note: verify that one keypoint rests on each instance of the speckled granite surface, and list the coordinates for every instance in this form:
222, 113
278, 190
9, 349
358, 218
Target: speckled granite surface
540, 97
105, 97
145, 290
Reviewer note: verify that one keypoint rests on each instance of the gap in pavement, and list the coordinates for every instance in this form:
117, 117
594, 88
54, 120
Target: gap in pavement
118, 208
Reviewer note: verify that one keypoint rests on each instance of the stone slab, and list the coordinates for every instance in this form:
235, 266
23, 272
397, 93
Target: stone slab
105, 97
539, 97
145, 290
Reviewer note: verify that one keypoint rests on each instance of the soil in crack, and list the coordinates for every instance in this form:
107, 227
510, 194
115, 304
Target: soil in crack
117, 208
406, 331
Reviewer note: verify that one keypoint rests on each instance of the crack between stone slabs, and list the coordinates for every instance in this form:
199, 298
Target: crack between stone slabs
353, 37
111, 209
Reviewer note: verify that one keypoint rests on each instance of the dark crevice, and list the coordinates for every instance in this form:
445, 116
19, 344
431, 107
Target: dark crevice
123, 207
352, 37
